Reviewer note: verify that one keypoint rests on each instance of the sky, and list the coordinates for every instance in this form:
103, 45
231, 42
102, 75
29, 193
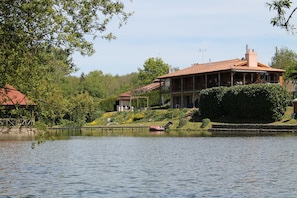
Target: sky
182, 33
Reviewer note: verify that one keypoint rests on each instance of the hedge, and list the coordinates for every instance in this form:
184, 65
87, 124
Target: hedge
211, 101
257, 101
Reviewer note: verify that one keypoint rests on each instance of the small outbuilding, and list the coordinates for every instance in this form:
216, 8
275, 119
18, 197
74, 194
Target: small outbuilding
16, 108
125, 99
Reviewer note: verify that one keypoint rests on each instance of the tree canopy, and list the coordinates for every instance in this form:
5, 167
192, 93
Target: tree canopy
152, 68
32, 29
282, 19
38, 38
285, 59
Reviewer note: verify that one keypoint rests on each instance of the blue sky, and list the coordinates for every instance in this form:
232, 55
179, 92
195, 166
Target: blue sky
185, 32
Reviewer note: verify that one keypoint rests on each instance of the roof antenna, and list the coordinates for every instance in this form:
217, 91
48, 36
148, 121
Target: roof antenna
202, 53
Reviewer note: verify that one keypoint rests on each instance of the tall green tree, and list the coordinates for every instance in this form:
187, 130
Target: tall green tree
152, 68
282, 19
285, 59
81, 107
28, 27
93, 83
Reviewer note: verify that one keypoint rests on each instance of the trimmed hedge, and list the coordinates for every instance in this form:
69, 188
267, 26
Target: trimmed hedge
257, 101
211, 102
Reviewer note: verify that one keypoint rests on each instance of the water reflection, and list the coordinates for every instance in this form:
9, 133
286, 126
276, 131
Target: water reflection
150, 167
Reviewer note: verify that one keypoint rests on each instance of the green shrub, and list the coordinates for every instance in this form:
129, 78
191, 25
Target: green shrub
41, 126
257, 101
182, 122
138, 116
205, 122
160, 117
210, 102
107, 105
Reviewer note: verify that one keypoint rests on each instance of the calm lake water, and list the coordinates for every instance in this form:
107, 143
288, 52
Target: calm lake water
150, 167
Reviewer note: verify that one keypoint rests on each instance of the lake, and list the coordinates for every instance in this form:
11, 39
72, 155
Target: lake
150, 167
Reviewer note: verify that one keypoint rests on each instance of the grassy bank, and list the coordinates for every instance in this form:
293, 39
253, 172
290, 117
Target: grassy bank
182, 119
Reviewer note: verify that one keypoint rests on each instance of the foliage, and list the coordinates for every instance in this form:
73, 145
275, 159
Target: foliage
281, 20
153, 99
94, 83
182, 122
108, 104
138, 116
262, 101
81, 107
52, 106
38, 38
152, 68
210, 102
31, 30
205, 122
285, 59
257, 101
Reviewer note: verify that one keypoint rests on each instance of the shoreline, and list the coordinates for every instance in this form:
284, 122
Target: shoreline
215, 130
252, 129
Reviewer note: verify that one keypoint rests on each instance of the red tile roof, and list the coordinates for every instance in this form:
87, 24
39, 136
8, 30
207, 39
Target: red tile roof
148, 87
234, 64
10, 96
125, 96
144, 89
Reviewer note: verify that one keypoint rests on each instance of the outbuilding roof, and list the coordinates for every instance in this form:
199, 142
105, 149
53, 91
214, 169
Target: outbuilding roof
144, 89
10, 96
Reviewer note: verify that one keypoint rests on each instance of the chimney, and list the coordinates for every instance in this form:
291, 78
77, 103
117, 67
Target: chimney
251, 57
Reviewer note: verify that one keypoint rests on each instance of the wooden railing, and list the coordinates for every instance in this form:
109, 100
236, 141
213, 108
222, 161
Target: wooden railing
12, 122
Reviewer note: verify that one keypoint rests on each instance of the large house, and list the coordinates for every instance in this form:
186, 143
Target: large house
186, 84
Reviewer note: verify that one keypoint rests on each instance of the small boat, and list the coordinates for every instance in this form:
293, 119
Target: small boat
157, 128
160, 128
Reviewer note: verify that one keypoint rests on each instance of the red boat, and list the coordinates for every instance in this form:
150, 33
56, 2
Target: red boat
157, 128
160, 128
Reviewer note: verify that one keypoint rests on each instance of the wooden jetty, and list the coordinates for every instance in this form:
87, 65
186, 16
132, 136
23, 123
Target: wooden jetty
252, 129
100, 130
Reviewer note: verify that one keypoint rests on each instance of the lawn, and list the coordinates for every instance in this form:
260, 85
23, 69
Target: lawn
183, 119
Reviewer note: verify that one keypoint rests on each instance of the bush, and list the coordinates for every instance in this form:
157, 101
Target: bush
257, 101
107, 105
260, 101
210, 102
182, 122
205, 122
138, 116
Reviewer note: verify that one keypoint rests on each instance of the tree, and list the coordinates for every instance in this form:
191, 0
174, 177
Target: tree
152, 68
81, 107
281, 19
285, 59
92, 84
28, 27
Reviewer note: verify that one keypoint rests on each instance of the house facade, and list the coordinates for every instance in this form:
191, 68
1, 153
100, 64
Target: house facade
186, 84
